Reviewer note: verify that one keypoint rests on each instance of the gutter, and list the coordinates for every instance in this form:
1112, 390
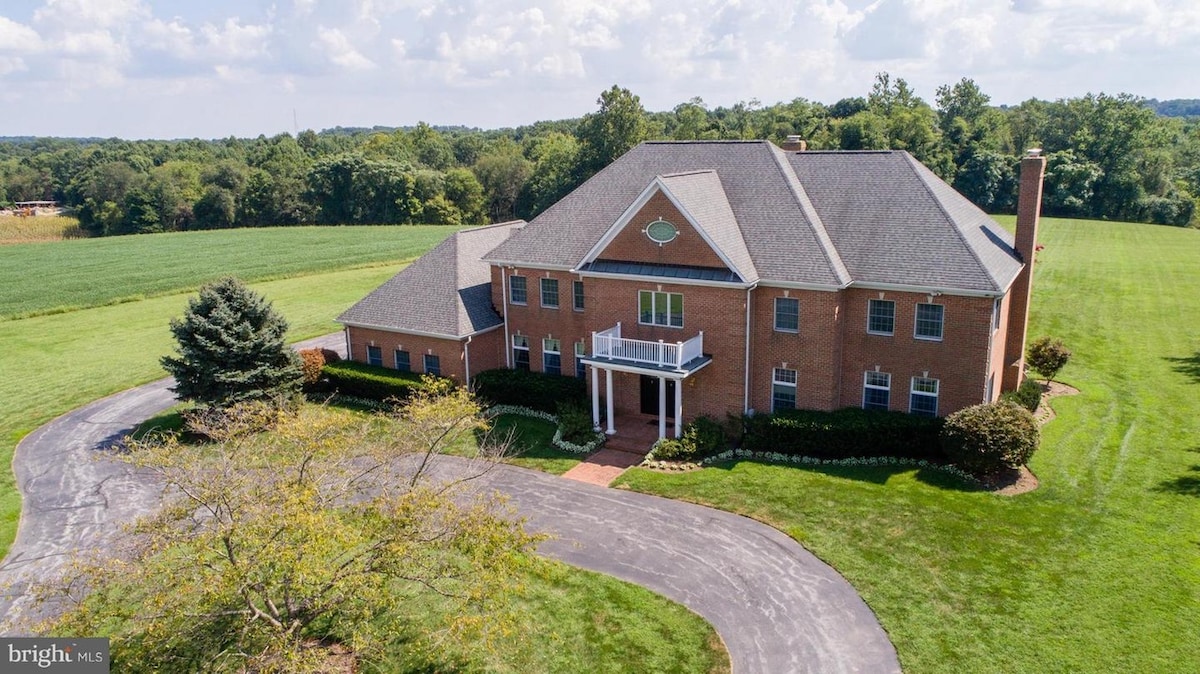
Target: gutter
467, 361
504, 301
746, 364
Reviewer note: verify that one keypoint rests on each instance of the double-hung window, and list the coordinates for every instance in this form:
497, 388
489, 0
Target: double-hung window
517, 290
783, 390
580, 352
577, 295
877, 390
550, 293
403, 362
881, 317
520, 352
930, 318
787, 314
375, 356
551, 356
996, 306
923, 400
433, 365
659, 308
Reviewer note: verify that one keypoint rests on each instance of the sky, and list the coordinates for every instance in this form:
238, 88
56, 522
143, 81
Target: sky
216, 68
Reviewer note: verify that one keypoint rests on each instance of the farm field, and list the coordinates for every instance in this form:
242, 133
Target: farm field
52, 277
1098, 570
15, 229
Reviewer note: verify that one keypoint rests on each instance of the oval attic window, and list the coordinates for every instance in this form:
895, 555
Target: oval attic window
660, 231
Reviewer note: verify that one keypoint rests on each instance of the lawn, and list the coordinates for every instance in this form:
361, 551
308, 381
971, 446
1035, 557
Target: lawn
1097, 570
49, 277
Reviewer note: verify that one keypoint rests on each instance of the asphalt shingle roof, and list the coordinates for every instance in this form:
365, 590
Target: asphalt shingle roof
445, 292
821, 218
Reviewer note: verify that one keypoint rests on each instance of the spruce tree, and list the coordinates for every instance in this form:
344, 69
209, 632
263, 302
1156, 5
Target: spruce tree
231, 348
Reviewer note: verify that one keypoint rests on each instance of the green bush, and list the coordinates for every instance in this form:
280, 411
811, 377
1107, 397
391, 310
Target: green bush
1047, 356
986, 438
701, 437
360, 380
1027, 395
575, 423
843, 434
529, 389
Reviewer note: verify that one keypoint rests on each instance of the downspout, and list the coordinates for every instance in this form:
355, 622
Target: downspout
504, 304
349, 353
467, 360
746, 365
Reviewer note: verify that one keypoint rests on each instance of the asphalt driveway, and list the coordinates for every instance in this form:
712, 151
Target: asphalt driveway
777, 607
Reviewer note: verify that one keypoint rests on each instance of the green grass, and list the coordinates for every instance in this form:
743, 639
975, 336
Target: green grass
1099, 569
38, 278
54, 363
531, 444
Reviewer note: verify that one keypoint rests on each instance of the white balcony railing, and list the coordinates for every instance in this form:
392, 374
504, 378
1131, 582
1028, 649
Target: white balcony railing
609, 344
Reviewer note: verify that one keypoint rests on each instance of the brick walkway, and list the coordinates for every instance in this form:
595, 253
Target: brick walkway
635, 435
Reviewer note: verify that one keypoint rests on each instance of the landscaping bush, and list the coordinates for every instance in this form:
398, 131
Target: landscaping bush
987, 438
311, 363
535, 390
1047, 356
701, 438
843, 434
351, 378
330, 355
1027, 395
575, 423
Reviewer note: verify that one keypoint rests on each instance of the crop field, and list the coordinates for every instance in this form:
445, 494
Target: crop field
40, 228
53, 277
1098, 570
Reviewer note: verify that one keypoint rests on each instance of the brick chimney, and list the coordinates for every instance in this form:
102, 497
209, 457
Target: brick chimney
1029, 209
794, 144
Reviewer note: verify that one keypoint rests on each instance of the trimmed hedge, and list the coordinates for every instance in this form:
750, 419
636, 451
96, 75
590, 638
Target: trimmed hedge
843, 434
351, 378
535, 390
987, 438
1027, 395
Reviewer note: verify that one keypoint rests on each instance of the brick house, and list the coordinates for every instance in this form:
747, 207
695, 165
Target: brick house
693, 278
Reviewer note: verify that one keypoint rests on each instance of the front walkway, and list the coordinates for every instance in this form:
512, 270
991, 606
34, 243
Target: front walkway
636, 434
776, 606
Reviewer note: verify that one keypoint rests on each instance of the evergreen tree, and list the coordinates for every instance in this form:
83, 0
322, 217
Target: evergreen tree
231, 348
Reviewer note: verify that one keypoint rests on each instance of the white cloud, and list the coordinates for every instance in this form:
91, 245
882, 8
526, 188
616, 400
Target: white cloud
341, 51
18, 38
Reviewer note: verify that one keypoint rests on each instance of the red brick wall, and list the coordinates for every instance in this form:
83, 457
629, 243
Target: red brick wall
688, 248
959, 361
449, 352
813, 352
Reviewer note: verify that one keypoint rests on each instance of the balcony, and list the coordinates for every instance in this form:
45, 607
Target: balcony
608, 344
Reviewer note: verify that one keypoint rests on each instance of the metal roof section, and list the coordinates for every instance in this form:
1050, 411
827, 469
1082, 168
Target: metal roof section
661, 271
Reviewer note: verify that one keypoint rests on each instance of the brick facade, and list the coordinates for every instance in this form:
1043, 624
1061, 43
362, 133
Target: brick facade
484, 350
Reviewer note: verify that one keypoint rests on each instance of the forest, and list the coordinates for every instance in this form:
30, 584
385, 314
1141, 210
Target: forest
1117, 157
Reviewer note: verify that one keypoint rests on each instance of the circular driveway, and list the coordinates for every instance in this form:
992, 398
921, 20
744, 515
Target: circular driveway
776, 606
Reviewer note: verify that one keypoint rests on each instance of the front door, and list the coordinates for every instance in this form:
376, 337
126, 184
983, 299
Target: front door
650, 396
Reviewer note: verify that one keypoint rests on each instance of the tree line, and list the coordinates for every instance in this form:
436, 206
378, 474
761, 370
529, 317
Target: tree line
1110, 157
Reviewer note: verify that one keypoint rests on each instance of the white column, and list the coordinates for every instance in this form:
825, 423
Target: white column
609, 401
678, 407
595, 398
662, 407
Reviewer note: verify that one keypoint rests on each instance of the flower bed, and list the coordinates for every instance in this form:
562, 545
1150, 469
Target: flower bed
779, 457
557, 440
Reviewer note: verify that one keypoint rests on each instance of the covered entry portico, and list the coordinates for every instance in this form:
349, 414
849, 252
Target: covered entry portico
668, 363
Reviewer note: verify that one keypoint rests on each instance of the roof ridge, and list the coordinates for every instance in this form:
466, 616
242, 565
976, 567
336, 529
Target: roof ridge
832, 256
916, 167
687, 173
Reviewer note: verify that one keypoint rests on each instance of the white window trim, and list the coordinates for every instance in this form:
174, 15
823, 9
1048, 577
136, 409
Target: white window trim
511, 300
776, 381
396, 359
916, 321
577, 296
876, 387
912, 391
654, 307
789, 331
542, 293
879, 332
996, 307
547, 351
425, 363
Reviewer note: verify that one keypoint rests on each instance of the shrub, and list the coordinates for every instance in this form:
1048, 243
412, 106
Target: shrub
986, 438
1047, 356
535, 390
701, 438
842, 434
1027, 395
575, 423
360, 380
311, 362
673, 449
330, 355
